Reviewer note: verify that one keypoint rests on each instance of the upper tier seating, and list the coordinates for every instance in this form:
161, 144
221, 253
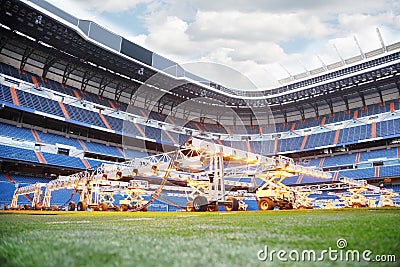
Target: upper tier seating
86, 116
353, 134
5, 94
346, 136
39, 103
56, 86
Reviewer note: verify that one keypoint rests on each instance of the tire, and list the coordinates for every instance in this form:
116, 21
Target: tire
81, 206
123, 207
265, 204
189, 206
234, 206
200, 203
356, 205
288, 206
103, 206
71, 206
145, 209
212, 208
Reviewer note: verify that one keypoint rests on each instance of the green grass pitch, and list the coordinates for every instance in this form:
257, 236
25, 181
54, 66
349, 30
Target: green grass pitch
36, 238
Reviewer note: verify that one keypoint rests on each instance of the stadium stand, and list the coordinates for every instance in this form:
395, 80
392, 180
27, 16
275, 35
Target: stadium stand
355, 134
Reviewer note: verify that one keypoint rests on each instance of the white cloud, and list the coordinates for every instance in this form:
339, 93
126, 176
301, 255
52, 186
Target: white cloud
236, 25
167, 36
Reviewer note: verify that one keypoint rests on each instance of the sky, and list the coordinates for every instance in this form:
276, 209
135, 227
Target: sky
266, 40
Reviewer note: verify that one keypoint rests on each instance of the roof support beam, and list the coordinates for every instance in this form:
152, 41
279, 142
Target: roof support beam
160, 106
27, 53
105, 81
398, 86
316, 109
301, 110
346, 102
284, 115
330, 104
87, 76
124, 88
121, 86
380, 94
67, 71
50, 61
361, 94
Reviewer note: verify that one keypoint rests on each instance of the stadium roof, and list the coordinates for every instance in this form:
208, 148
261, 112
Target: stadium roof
85, 51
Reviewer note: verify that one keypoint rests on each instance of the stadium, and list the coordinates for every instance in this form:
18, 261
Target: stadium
112, 154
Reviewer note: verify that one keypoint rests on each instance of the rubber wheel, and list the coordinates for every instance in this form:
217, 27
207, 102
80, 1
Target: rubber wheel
189, 206
145, 209
71, 206
356, 205
103, 206
200, 203
265, 204
123, 207
212, 208
234, 206
288, 206
81, 206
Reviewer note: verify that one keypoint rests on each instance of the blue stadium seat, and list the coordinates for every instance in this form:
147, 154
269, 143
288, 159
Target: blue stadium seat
16, 153
39, 103
115, 123
340, 160
5, 94
86, 116
380, 153
290, 144
16, 132
63, 161
102, 149
320, 139
49, 138
358, 173
389, 171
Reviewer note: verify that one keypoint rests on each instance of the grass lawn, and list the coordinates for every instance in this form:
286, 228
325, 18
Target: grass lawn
36, 238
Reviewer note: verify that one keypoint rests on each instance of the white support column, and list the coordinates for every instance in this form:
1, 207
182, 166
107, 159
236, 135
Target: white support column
381, 40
